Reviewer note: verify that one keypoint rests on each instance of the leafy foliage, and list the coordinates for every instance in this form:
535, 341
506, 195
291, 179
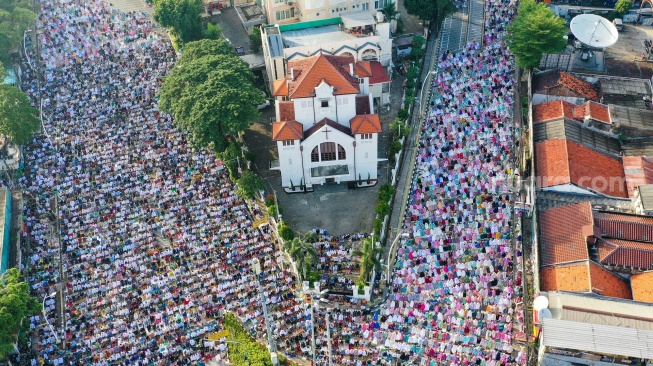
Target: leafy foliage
535, 30
15, 18
403, 114
431, 10
249, 184
285, 231
249, 351
15, 304
211, 96
182, 17
255, 41
623, 6
369, 258
212, 31
18, 119
302, 251
196, 50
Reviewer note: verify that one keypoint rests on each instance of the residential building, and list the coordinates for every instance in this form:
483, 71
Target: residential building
326, 129
293, 11
560, 85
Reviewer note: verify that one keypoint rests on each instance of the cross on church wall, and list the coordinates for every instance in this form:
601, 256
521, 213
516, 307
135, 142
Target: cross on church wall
326, 132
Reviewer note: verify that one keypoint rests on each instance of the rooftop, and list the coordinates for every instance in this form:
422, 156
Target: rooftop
308, 73
556, 78
565, 129
287, 130
646, 196
562, 161
315, 36
631, 117
640, 285
367, 123
638, 171
564, 232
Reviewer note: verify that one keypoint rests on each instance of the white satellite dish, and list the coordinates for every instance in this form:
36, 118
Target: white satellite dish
540, 302
544, 313
594, 30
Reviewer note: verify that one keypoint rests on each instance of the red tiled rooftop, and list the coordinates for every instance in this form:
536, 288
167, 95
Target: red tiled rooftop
555, 109
558, 78
287, 111
562, 161
366, 123
379, 75
642, 286
310, 72
638, 171
287, 130
564, 232
595, 111
362, 69
280, 87
624, 227
571, 277
607, 283
363, 104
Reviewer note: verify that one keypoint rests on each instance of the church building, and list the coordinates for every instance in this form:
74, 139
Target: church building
326, 129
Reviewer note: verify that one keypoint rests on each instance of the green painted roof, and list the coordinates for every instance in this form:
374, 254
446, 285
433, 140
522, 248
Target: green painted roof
310, 24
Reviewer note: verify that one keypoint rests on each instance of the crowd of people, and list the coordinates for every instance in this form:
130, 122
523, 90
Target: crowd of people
456, 281
153, 245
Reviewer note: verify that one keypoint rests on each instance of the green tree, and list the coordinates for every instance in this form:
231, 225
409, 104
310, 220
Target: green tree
302, 251
255, 42
18, 120
15, 18
430, 10
182, 17
623, 6
211, 96
212, 31
249, 184
536, 30
15, 304
206, 47
369, 258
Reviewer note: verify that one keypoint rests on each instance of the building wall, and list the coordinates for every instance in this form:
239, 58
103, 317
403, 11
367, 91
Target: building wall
339, 138
290, 163
274, 6
366, 157
309, 111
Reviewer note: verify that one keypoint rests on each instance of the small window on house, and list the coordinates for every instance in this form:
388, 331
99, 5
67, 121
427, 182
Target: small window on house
361, 81
327, 151
341, 153
325, 103
288, 142
366, 136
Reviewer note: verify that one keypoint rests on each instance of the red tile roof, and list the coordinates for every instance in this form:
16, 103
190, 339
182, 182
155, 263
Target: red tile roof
638, 171
379, 75
558, 78
309, 72
366, 123
564, 232
287, 111
641, 286
327, 122
630, 258
362, 69
607, 283
595, 111
552, 110
280, 88
562, 161
624, 227
570, 277
363, 104
287, 130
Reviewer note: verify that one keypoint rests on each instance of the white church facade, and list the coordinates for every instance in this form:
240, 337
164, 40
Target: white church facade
326, 130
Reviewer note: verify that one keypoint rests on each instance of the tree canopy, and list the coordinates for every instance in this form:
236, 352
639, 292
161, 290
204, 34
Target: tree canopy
182, 17
15, 18
536, 30
369, 258
623, 6
249, 184
211, 95
18, 120
15, 304
431, 10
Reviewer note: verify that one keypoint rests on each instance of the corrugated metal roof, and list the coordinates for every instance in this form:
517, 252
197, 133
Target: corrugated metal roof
633, 117
599, 338
596, 309
646, 195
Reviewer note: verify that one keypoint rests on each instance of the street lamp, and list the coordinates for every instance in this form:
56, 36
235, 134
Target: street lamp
256, 266
421, 93
46, 318
387, 274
